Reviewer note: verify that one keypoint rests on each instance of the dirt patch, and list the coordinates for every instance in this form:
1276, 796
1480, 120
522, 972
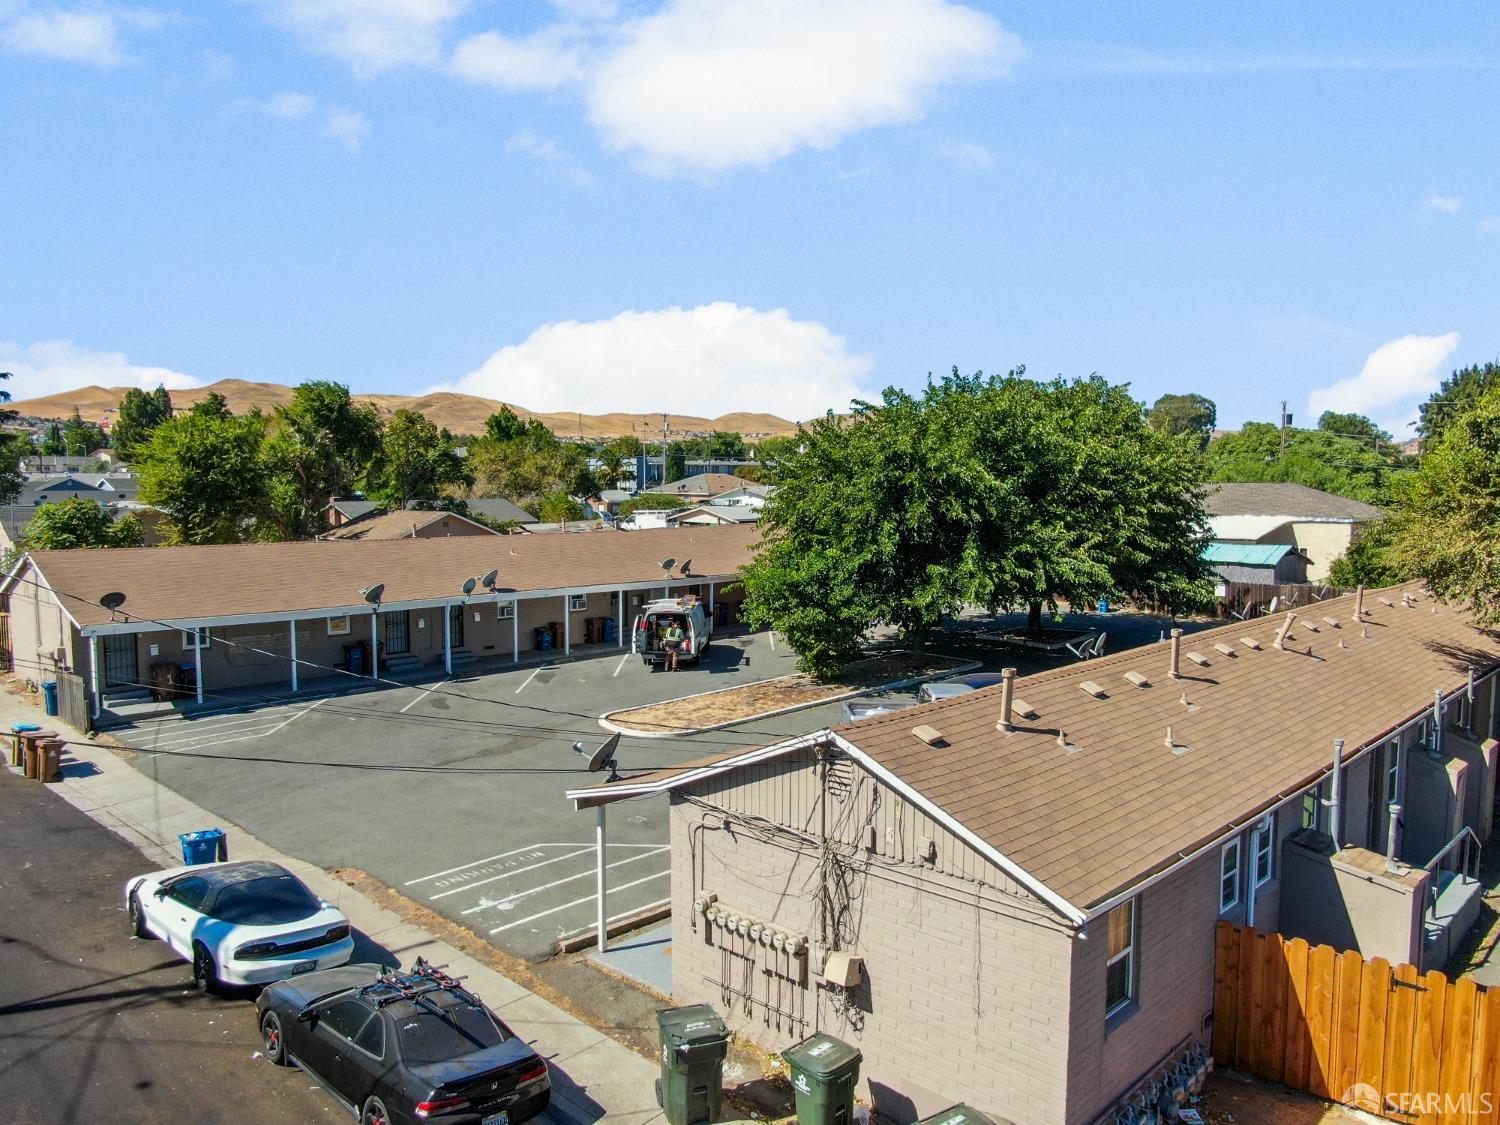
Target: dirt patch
735, 704
1232, 1098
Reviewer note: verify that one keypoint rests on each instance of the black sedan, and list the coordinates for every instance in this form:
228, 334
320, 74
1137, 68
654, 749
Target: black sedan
403, 1048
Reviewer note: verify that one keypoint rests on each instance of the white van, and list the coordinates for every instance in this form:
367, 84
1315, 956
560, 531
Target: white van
654, 619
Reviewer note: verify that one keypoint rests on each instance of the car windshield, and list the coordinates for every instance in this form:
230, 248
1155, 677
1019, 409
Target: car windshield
268, 901
429, 1037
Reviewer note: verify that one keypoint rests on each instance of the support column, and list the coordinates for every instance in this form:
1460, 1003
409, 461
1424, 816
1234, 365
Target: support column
198, 661
620, 622
375, 644
447, 639
293, 627
567, 625
98, 700
710, 597
515, 632
600, 879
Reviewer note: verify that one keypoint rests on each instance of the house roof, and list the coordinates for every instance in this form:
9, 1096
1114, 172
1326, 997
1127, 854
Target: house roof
1246, 554
1290, 501
762, 490
724, 513
266, 580
353, 509
498, 508
1091, 823
700, 484
397, 525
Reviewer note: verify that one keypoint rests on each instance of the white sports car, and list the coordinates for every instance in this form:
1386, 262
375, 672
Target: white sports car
239, 923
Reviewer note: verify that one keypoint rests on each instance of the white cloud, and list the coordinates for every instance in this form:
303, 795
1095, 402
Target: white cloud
1490, 224
1393, 378
542, 61
967, 154
370, 35
705, 85
545, 150
52, 366
348, 127
288, 107
1446, 204
586, 9
708, 360
216, 64
87, 37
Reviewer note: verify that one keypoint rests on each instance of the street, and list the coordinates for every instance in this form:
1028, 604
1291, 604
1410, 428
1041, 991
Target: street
96, 1025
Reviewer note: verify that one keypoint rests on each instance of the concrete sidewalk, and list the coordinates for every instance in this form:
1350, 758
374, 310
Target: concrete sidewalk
593, 1077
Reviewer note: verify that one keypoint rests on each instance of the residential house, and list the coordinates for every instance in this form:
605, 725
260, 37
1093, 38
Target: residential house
407, 524
711, 515
1320, 524
748, 495
287, 614
500, 510
345, 509
48, 463
649, 474
1009, 898
1266, 564
607, 503
341, 512
700, 486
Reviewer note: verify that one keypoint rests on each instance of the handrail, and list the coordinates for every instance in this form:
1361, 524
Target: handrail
1468, 864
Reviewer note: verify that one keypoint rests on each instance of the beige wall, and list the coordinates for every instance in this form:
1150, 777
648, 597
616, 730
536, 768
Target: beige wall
441, 529
40, 631
1322, 543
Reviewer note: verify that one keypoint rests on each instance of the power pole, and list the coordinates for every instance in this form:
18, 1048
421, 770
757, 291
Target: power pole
1285, 418
666, 424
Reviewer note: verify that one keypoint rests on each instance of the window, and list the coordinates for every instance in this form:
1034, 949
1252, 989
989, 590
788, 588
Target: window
456, 1030
190, 892
1312, 808
1119, 973
1392, 771
338, 626
578, 602
1229, 876
397, 639
271, 900
1463, 712
504, 611
372, 1038
187, 639
346, 1018
1264, 847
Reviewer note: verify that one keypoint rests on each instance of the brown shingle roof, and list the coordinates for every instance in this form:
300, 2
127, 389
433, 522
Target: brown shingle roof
1236, 498
1092, 823
700, 484
396, 525
266, 579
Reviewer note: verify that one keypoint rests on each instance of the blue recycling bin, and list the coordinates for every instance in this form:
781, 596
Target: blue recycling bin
543, 637
609, 631
49, 695
354, 659
206, 846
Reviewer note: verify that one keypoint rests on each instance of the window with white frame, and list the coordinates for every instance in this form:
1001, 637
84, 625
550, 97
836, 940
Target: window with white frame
1462, 710
504, 611
1392, 771
1263, 846
1229, 876
338, 626
187, 639
578, 602
1312, 808
1119, 973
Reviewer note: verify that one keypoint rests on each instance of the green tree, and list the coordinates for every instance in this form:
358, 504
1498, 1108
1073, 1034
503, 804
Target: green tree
1319, 459
676, 466
1191, 415
1457, 392
726, 445
773, 452
416, 462
992, 491
616, 464
1355, 426
558, 507
319, 447
650, 501
504, 425
79, 523
80, 438
1370, 560
140, 413
527, 465
53, 444
1448, 522
207, 474
211, 405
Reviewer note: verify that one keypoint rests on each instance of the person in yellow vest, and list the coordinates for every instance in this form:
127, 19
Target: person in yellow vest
673, 638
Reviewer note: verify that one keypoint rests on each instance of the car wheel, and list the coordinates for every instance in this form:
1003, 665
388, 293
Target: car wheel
374, 1113
205, 972
138, 916
271, 1038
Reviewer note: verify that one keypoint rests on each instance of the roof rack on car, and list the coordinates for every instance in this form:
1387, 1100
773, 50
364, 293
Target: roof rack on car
416, 982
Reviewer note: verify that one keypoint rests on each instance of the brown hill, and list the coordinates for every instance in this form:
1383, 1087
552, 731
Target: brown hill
462, 414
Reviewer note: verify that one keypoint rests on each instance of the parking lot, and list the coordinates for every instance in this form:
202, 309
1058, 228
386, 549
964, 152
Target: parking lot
451, 792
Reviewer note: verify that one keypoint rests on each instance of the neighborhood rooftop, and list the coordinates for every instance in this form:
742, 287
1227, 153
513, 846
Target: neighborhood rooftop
1295, 501
263, 581
1118, 804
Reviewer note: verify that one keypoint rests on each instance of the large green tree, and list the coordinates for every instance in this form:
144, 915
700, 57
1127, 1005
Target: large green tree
1448, 525
1190, 415
417, 462
726, 445
983, 490
1322, 459
52, 441
524, 461
320, 445
140, 413
1355, 426
81, 438
676, 466
616, 463
1456, 393
207, 473
1371, 560
80, 523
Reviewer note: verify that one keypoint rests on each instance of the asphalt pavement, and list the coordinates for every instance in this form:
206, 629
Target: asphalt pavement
96, 1025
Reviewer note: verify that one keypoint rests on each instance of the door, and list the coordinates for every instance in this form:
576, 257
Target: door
456, 625
178, 913
328, 1050
397, 638
121, 666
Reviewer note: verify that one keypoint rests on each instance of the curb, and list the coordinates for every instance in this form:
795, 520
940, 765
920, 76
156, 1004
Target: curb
895, 685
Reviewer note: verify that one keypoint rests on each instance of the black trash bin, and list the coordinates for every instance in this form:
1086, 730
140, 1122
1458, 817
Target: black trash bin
958, 1115
825, 1071
693, 1042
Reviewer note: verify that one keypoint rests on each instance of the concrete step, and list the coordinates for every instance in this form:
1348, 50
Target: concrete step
404, 664
464, 661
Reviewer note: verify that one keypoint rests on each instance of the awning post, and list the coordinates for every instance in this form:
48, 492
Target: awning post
603, 925
515, 632
567, 625
98, 700
375, 643
447, 639
292, 627
620, 621
198, 661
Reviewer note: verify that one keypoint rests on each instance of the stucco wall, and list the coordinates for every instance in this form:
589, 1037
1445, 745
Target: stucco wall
38, 630
1322, 543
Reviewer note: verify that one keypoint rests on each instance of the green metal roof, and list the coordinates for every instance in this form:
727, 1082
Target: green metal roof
1246, 554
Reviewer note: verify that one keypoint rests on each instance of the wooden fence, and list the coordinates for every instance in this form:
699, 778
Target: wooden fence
1252, 599
1413, 1047
73, 701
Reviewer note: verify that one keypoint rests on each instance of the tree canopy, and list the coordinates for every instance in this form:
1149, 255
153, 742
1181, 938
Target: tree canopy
558, 507
206, 472
1355, 426
983, 490
319, 447
1457, 393
1370, 560
416, 462
1189, 415
80, 523
140, 413
80, 438
524, 461
1322, 459
650, 501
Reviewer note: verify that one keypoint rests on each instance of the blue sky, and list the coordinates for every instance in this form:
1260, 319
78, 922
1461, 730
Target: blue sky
712, 205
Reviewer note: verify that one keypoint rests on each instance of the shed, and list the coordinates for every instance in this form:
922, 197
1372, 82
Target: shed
1279, 564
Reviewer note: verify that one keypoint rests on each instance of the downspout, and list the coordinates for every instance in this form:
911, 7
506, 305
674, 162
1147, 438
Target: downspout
1336, 788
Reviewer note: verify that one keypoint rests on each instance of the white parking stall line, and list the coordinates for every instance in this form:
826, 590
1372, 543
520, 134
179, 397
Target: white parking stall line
508, 874
529, 678
477, 865
575, 902
421, 697
620, 665
237, 731
510, 900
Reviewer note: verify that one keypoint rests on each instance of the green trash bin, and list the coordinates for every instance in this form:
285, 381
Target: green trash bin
693, 1042
824, 1073
958, 1115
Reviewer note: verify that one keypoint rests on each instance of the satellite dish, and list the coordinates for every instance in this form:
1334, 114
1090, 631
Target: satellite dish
687, 567
469, 584
488, 581
668, 564
373, 594
603, 758
112, 601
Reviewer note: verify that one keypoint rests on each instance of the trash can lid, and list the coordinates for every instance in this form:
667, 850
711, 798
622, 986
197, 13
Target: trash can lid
201, 834
822, 1056
25, 726
49, 683
958, 1115
695, 1023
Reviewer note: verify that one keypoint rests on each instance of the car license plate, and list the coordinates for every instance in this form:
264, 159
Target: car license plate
501, 1118
304, 967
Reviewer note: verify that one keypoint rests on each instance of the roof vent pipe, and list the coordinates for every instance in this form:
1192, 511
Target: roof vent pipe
1393, 812
1359, 603
1176, 667
1284, 631
1007, 697
1336, 787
